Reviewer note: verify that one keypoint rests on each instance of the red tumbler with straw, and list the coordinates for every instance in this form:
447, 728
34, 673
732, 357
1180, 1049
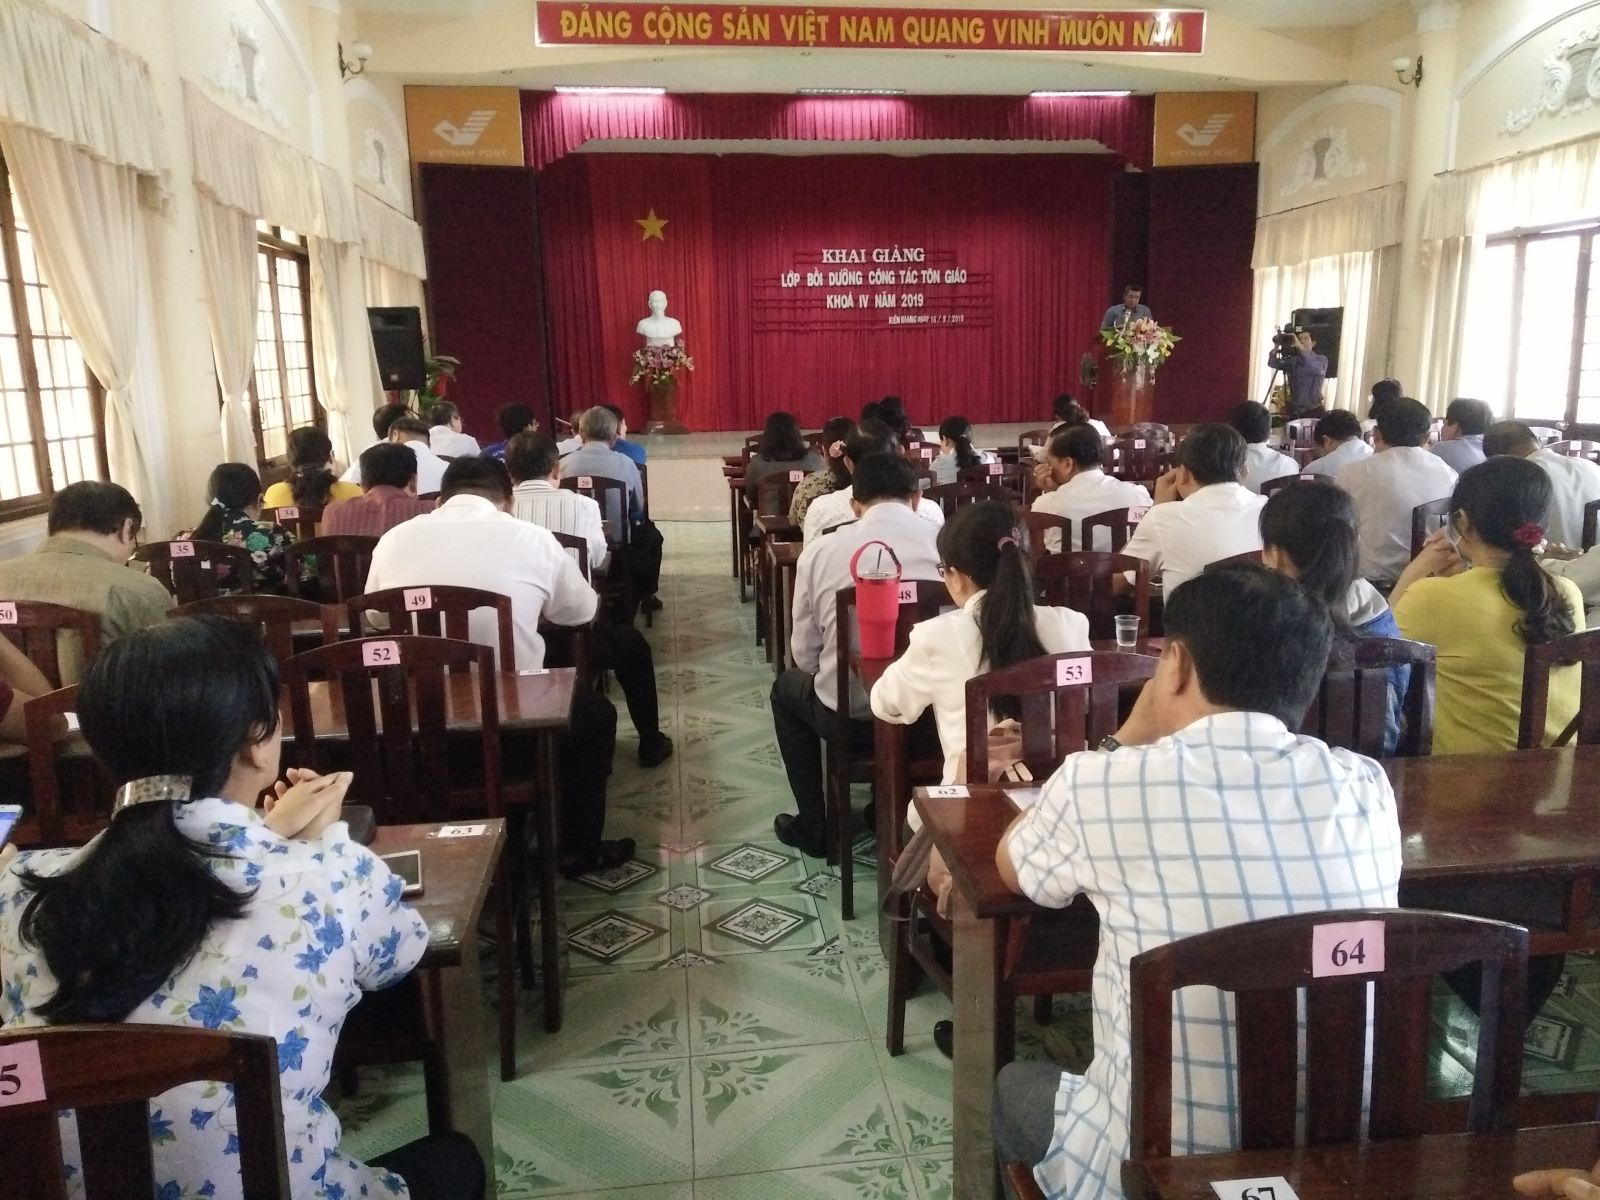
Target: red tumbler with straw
877, 601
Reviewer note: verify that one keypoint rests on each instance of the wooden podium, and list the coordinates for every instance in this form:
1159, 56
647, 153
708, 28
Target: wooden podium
1122, 398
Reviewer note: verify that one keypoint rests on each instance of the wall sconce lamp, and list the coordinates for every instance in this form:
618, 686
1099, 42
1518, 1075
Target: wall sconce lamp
360, 53
1402, 65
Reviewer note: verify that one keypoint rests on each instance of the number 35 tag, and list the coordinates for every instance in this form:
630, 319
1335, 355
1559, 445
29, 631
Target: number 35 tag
1347, 948
21, 1076
1272, 1187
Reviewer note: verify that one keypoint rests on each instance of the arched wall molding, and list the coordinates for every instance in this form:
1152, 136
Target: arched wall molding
1356, 93
394, 129
274, 13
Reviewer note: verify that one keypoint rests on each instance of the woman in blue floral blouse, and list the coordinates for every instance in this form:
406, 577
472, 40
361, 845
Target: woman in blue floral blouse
234, 519
195, 909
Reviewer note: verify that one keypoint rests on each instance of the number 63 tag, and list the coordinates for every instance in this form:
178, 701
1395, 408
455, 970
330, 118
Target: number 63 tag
1347, 948
1271, 1187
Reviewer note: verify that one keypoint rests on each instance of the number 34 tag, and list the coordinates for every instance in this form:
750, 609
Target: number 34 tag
1272, 1187
1347, 948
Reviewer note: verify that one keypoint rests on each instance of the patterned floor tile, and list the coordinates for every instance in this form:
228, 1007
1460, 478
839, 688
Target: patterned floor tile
612, 934
919, 1087
888, 1180
781, 999
759, 925
748, 863
932, 1177
613, 1018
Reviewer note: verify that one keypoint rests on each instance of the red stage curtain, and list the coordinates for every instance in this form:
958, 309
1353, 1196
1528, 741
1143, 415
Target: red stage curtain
1032, 230
556, 125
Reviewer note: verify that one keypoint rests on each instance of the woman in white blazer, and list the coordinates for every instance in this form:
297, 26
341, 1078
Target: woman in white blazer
985, 565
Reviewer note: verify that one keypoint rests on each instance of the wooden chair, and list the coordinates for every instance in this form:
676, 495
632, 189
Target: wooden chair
1028, 439
612, 496
919, 453
577, 549
1301, 433
644, 489
953, 496
304, 523
190, 570
342, 562
1425, 518
38, 630
274, 617
1118, 522
1283, 481
1083, 580
1019, 1176
108, 1074
1435, 430
1038, 524
396, 708
1546, 429
1016, 478
434, 611
1577, 449
1137, 458
434, 496
1265, 965
1581, 649
1352, 703
1591, 524
1249, 557
1059, 717
70, 794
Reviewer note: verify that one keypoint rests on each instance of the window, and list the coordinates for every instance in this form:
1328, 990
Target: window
284, 387
1543, 351
52, 410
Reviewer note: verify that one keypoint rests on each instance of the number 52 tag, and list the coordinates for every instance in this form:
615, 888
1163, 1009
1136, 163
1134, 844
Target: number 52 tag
1272, 1187
1347, 948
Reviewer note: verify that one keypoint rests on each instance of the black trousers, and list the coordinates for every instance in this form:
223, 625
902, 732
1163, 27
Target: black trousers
441, 1166
803, 723
583, 764
640, 558
622, 650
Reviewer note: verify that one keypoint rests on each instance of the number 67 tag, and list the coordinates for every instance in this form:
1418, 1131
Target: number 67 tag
1347, 948
1271, 1187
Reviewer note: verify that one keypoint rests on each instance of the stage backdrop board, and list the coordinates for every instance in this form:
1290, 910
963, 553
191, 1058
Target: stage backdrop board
999, 268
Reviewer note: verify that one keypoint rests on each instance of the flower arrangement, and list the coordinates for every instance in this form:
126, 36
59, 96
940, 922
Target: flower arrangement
1140, 343
659, 366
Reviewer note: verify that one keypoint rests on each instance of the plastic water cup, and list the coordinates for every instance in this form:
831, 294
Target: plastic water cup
1127, 632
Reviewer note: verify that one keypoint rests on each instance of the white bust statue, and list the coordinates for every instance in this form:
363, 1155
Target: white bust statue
658, 329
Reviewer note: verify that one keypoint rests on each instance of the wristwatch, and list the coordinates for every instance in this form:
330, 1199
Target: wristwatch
1109, 743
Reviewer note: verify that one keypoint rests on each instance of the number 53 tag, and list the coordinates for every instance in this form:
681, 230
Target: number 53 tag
1347, 948
1273, 1187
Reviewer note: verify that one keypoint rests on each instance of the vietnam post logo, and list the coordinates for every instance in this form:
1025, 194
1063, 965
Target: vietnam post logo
1207, 133
469, 132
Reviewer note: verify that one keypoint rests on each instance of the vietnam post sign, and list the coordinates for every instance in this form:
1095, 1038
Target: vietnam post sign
1080, 31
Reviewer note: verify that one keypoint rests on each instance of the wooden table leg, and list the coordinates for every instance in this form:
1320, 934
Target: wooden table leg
890, 793
785, 593
983, 1044
547, 858
463, 1051
733, 524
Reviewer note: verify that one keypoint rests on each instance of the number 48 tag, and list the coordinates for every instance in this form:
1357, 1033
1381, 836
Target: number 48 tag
1347, 948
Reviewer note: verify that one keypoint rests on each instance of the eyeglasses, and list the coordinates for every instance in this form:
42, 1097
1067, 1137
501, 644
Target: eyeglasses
942, 568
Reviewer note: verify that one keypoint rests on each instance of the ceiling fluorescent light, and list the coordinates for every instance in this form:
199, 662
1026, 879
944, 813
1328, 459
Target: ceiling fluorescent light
852, 91
574, 89
1059, 95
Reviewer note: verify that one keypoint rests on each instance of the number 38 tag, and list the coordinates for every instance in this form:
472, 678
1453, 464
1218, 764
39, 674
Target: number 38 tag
1347, 948
21, 1076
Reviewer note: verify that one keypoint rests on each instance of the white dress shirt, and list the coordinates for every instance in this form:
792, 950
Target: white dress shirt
834, 509
1574, 482
1181, 538
824, 568
469, 542
1232, 819
447, 442
562, 511
1088, 494
1346, 452
1386, 487
945, 469
430, 469
1263, 464
946, 651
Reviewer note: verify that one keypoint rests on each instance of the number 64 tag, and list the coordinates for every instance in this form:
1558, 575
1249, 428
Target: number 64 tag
1347, 948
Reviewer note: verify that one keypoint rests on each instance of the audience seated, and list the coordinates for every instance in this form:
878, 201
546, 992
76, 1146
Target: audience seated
1382, 394
1067, 411
20, 681
197, 909
891, 410
1073, 485
1388, 486
869, 437
639, 550
955, 451
782, 449
1574, 482
622, 445
311, 482
1338, 435
234, 518
1138, 828
1202, 513
389, 496
445, 437
1308, 532
1477, 593
1461, 440
408, 431
1583, 569
831, 476
93, 528
883, 493
1262, 463
512, 419
535, 466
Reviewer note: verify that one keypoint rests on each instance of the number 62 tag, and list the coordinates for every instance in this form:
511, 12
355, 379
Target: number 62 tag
1347, 948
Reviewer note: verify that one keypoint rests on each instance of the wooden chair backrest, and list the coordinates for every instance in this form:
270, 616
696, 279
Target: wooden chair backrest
71, 797
1136, 458
194, 575
342, 559
1425, 518
1580, 649
435, 611
928, 599
612, 497
953, 496
1250, 557
108, 1074
1037, 523
1283, 481
1301, 433
775, 492
398, 741
1546, 430
1352, 702
751, 444
38, 629
577, 549
1265, 964
273, 617
1083, 580
1070, 702
1577, 449
919, 452
1116, 521
1027, 440
644, 489
300, 521
1591, 524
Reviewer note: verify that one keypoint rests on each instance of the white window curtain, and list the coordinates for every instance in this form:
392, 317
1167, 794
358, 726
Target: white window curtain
1341, 253
228, 251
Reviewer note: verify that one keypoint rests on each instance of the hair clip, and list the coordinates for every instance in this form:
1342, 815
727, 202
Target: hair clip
151, 789
1529, 535
1009, 540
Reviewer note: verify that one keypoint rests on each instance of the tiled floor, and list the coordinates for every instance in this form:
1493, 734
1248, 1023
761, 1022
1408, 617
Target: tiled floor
723, 1037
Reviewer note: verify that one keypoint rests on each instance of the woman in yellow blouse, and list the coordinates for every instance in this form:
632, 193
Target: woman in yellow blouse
311, 482
1477, 593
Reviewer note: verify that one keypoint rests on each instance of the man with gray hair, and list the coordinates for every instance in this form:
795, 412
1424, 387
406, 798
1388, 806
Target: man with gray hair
638, 542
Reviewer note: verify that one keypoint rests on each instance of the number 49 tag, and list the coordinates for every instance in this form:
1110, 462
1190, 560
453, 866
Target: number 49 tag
21, 1075
1347, 948
1272, 1187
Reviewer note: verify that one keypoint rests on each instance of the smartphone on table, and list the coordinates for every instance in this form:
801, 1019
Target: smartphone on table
408, 866
10, 814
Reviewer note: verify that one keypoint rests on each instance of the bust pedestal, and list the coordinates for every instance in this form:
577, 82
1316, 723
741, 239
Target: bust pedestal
663, 402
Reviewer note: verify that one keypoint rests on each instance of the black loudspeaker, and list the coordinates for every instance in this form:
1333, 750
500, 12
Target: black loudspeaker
397, 337
1323, 324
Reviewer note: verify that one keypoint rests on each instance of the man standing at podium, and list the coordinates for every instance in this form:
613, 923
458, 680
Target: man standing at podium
1129, 311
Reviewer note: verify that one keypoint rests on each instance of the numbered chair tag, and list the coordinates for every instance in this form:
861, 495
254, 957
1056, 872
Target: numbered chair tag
1074, 670
418, 599
460, 831
182, 549
1138, 443
927, 452
948, 793
908, 593
1135, 515
1347, 948
585, 483
1307, 476
21, 1074
288, 514
1272, 1187
380, 654
796, 476
996, 468
8, 614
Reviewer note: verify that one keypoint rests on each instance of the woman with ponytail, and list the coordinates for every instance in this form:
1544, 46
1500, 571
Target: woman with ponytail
955, 451
196, 909
1478, 594
234, 518
985, 567
311, 482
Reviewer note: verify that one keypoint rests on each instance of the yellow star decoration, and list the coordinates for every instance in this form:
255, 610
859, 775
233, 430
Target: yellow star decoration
652, 226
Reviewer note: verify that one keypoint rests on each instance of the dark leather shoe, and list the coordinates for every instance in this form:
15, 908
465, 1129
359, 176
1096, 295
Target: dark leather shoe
650, 604
944, 1037
790, 832
655, 751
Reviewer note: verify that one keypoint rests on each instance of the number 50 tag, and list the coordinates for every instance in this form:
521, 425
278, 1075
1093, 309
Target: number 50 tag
1347, 948
21, 1076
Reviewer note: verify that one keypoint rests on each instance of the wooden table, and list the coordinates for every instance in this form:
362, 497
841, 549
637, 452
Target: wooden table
1526, 817
781, 560
1462, 1166
770, 529
456, 873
